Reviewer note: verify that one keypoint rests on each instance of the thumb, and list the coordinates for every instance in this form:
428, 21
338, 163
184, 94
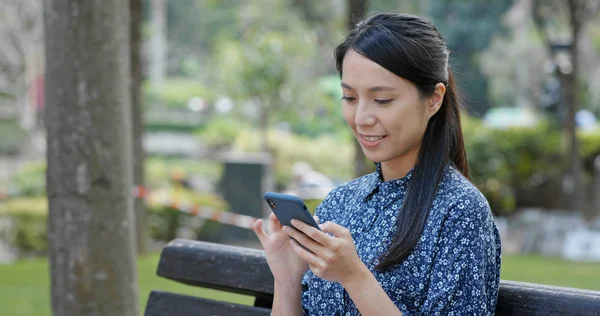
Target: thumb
260, 233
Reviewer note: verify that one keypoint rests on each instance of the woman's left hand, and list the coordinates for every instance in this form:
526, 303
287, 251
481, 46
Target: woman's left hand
333, 258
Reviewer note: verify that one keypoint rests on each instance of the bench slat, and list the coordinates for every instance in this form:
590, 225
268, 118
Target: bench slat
163, 303
235, 269
519, 298
244, 270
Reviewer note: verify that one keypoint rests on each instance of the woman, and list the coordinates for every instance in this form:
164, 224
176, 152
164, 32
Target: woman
415, 237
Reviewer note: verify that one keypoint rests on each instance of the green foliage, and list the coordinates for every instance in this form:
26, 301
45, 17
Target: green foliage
175, 127
193, 29
312, 205
159, 170
28, 216
318, 111
508, 165
165, 220
257, 68
6, 95
326, 154
11, 136
30, 180
28, 207
468, 27
175, 93
589, 148
219, 132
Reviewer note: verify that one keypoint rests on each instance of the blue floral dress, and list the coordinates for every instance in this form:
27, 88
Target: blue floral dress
453, 270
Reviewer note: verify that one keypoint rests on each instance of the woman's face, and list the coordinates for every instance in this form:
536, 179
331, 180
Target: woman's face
386, 113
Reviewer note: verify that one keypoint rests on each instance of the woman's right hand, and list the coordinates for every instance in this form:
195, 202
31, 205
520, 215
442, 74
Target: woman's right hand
286, 266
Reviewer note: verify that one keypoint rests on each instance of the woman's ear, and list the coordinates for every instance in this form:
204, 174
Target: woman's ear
436, 99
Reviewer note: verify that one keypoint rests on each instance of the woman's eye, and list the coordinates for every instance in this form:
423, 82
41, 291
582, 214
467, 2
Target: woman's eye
378, 101
348, 99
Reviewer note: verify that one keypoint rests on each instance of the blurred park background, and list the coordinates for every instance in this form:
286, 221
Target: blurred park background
235, 98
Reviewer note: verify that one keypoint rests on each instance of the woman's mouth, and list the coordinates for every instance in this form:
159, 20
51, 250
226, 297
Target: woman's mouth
370, 140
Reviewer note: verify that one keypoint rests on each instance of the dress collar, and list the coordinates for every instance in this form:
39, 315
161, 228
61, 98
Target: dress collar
374, 183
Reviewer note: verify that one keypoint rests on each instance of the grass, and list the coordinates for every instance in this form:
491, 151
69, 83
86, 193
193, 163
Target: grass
24, 286
552, 271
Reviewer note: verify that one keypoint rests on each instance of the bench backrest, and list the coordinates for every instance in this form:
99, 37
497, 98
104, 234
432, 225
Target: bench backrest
245, 271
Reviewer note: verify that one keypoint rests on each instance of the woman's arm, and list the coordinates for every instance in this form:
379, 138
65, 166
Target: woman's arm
287, 299
286, 266
334, 258
368, 295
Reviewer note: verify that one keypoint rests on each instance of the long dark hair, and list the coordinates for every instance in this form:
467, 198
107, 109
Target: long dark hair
412, 48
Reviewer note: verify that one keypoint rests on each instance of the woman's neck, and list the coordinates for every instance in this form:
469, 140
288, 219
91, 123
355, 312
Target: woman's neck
399, 167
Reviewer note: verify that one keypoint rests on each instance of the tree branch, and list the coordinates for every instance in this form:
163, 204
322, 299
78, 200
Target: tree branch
539, 16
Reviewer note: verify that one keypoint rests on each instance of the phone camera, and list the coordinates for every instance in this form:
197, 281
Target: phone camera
271, 203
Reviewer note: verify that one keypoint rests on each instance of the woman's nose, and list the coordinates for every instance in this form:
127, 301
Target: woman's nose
363, 116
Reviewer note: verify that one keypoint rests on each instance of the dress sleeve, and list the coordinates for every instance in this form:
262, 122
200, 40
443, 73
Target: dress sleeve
305, 295
324, 209
466, 270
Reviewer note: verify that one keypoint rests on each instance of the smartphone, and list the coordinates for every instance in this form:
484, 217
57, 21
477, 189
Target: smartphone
287, 207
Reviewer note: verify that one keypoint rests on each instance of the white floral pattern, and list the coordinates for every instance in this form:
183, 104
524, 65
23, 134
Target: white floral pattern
453, 270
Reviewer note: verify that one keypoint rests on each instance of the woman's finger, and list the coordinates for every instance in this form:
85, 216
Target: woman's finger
275, 224
304, 240
312, 232
316, 218
310, 257
260, 233
335, 229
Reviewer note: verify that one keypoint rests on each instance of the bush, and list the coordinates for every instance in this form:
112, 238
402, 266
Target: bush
175, 93
30, 180
160, 169
590, 148
11, 136
165, 220
28, 217
219, 133
174, 127
517, 166
331, 156
312, 205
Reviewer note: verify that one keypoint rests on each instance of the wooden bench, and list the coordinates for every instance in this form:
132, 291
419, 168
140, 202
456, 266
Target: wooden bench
245, 271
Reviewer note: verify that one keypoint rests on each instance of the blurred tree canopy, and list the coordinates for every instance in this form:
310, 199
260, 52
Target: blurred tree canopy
194, 27
278, 69
468, 27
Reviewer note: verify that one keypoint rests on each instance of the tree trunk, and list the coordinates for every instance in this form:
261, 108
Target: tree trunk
89, 176
158, 61
137, 122
263, 122
572, 101
357, 9
596, 203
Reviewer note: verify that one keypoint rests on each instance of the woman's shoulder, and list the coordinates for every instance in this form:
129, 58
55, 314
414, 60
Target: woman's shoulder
461, 210
460, 196
355, 187
348, 193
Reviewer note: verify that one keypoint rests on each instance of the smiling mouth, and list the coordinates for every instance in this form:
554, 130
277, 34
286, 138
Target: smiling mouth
371, 138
